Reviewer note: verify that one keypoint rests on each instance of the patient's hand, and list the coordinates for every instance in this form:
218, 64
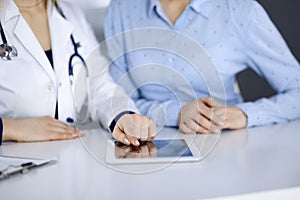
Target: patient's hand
197, 117
229, 117
145, 150
38, 129
131, 128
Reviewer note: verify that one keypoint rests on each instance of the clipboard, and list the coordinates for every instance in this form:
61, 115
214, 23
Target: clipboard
10, 166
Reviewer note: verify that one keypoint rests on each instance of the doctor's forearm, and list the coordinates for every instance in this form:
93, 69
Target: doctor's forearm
38, 129
6, 133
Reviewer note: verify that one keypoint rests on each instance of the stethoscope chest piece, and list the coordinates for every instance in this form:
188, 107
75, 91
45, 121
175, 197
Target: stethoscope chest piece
8, 52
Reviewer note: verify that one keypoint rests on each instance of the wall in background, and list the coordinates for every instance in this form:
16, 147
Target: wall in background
286, 15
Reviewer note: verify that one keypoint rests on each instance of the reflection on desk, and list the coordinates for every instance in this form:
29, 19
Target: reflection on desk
244, 161
145, 150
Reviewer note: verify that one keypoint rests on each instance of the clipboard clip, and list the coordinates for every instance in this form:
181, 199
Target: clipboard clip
22, 168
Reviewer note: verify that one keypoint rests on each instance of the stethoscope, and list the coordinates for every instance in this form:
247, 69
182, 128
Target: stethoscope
9, 52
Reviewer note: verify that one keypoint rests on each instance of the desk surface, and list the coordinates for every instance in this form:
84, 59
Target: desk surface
245, 161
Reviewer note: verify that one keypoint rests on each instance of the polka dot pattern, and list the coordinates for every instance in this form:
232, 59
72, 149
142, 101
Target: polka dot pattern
235, 35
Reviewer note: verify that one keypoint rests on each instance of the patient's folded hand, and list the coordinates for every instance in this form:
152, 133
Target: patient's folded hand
197, 117
227, 117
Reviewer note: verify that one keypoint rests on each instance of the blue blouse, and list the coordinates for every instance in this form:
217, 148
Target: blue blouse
235, 34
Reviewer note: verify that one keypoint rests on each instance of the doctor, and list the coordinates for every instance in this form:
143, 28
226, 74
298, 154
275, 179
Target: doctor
36, 101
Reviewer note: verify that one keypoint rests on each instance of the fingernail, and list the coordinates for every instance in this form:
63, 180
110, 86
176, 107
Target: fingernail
126, 141
137, 142
127, 150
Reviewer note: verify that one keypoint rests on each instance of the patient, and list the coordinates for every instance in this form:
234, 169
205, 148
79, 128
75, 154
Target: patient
234, 34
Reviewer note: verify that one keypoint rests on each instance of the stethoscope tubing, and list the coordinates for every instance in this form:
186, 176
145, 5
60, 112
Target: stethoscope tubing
3, 37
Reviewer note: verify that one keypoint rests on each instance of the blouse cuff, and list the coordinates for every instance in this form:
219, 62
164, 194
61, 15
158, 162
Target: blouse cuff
116, 119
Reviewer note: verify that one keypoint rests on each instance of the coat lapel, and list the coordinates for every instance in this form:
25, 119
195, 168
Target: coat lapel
27, 38
32, 45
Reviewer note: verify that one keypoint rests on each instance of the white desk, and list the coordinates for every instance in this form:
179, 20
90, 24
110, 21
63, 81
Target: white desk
246, 161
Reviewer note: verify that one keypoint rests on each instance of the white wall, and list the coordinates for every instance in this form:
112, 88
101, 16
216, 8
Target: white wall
95, 11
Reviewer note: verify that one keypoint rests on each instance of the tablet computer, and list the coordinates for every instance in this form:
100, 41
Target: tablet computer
156, 151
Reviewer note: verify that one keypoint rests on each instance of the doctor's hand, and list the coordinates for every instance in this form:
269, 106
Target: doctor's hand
229, 117
197, 117
38, 129
131, 128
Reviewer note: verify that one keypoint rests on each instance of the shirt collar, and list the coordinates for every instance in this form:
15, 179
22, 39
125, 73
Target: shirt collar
152, 5
10, 10
196, 5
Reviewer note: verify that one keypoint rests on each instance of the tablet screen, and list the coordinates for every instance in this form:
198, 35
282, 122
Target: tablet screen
154, 149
